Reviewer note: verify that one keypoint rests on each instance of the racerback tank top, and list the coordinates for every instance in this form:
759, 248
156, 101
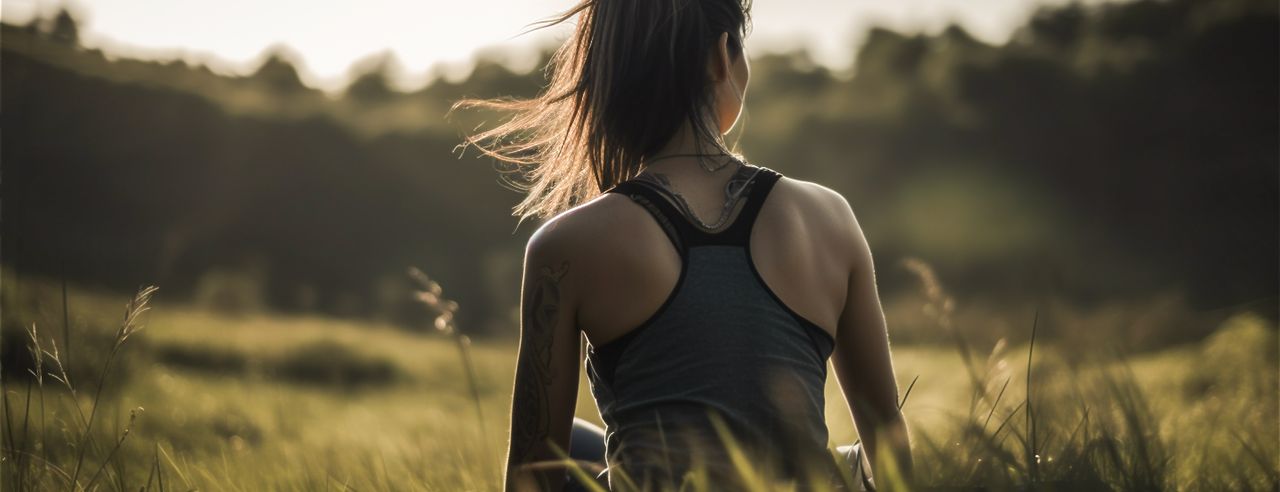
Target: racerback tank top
722, 347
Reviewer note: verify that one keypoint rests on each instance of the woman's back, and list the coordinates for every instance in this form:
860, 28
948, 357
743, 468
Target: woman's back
799, 242
683, 320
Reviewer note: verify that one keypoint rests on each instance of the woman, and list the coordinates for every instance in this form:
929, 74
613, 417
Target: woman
710, 292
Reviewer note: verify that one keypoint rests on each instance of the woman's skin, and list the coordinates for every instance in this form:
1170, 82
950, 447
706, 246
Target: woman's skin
603, 267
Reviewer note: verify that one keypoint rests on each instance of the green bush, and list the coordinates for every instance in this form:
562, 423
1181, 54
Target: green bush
331, 363
205, 358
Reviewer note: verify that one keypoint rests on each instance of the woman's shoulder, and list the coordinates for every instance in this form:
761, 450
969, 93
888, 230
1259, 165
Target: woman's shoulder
820, 214
599, 224
824, 205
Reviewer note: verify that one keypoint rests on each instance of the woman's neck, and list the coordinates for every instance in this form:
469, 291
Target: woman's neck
684, 151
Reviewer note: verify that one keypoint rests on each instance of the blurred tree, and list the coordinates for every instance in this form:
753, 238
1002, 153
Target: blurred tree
371, 78
278, 72
1108, 152
1059, 28
64, 30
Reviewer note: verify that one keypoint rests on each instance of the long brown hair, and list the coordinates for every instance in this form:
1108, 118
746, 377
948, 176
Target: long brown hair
629, 77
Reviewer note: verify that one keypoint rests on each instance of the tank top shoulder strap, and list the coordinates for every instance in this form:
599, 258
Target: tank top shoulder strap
661, 210
739, 232
681, 231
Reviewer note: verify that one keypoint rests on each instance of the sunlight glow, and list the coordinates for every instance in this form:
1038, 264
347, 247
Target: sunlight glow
434, 38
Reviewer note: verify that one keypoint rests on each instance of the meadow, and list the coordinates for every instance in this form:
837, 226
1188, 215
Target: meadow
1099, 189
199, 400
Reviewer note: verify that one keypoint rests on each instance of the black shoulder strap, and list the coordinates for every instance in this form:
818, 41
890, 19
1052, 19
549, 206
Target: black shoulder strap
682, 232
662, 211
740, 231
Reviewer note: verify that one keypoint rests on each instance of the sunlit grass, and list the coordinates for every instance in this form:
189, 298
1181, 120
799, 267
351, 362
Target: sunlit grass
1199, 416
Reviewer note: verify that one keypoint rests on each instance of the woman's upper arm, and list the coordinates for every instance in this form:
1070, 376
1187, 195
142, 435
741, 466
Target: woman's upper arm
861, 359
546, 379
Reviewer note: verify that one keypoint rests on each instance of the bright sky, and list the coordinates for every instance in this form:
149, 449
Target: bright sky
430, 37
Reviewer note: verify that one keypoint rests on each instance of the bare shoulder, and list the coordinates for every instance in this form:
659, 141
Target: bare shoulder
830, 209
580, 232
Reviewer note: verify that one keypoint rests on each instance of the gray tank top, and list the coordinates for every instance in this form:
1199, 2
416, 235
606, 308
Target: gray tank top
722, 347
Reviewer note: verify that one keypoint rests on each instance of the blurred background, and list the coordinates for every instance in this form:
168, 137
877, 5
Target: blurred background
1106, 170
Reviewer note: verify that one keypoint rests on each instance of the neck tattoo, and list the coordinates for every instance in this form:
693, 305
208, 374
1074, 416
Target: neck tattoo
734, 191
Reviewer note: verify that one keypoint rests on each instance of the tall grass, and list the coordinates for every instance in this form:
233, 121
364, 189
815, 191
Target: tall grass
1087, 427
1028, 417
38, 462
432, 297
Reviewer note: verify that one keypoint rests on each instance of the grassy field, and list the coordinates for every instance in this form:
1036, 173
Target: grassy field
198, 400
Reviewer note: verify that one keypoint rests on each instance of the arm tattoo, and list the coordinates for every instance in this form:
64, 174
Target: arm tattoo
531, 410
